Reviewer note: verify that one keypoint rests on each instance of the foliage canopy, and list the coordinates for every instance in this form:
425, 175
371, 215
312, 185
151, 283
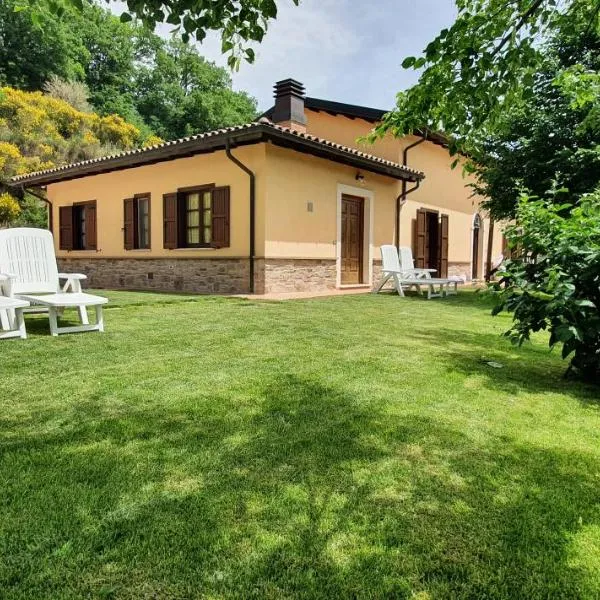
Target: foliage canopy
548, 138
484, 64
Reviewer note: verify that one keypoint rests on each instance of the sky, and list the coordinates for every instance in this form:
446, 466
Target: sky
344, 50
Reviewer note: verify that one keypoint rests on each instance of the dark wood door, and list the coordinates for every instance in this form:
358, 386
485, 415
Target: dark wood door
430, 241
352, 239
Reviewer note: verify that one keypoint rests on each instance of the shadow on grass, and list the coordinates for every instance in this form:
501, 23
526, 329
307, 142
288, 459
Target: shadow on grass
471, 298
528, 368
308, 492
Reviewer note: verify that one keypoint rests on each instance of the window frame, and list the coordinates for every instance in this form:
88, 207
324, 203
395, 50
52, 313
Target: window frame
182, 212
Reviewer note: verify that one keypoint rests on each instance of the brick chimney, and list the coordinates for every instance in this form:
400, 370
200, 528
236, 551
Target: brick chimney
289, 105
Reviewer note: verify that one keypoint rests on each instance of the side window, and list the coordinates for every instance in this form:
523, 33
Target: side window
136, 222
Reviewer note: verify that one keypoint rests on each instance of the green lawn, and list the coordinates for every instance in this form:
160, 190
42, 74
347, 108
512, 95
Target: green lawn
349, 447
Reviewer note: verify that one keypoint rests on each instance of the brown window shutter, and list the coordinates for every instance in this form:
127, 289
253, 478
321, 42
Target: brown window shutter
170, 229
91, 233
65, 228
444, 230
220, 217
128, 223
420, 235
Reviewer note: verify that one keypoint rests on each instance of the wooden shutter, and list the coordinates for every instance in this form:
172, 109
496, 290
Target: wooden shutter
443, 245
220, 217
170, 229
129, 223
420, 238
90, 226
65, 228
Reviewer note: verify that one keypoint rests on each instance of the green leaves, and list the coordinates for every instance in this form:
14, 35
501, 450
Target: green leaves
241, 22
553, 280
479, 68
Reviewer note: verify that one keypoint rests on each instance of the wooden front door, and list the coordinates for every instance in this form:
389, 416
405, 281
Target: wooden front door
352, 239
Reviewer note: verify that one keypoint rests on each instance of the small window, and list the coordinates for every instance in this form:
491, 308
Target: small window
197, 218
137, 222
142, 223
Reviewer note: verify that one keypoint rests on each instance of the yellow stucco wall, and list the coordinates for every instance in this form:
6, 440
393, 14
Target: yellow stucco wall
109, 190
294, 180
444, 189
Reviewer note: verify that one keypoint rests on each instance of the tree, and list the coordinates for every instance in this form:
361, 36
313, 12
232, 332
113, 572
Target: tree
484, 64
31, 54
547, 138
157, 85
553, 282
181, 93
239, 21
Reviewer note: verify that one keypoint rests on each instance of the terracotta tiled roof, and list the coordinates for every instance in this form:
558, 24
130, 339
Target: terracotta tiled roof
249, 133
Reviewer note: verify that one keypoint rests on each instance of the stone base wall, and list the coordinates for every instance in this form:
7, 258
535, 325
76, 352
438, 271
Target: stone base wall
460, 269
208, 276
200, 276
377, 264
295, 275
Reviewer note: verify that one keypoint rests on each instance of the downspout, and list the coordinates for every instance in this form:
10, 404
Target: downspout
401, 199
252, 178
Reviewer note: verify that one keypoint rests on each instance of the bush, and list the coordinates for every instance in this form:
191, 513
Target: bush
553, 281
9, 209
74, 93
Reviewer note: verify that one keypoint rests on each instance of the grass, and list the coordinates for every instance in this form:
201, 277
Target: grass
349, 447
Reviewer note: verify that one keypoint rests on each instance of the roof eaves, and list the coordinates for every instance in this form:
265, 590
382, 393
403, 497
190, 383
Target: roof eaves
216, 140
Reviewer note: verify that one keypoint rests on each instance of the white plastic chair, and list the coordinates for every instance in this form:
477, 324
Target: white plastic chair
29, 273
411, 277
407, 264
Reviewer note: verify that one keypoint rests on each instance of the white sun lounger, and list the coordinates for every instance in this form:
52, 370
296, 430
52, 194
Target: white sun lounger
408, 278
11, 327
29, 272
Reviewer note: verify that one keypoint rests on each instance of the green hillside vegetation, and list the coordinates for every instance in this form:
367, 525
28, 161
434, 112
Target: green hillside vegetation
160, 86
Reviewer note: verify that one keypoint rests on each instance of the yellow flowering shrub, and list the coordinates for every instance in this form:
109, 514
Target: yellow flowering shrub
10, 157
38, 132
152, 140
9, 209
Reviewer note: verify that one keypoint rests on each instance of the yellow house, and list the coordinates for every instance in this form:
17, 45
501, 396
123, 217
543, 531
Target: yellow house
291, 202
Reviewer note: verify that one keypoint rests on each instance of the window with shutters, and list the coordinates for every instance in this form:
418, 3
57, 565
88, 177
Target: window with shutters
136, 227
77, 226
197, 217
